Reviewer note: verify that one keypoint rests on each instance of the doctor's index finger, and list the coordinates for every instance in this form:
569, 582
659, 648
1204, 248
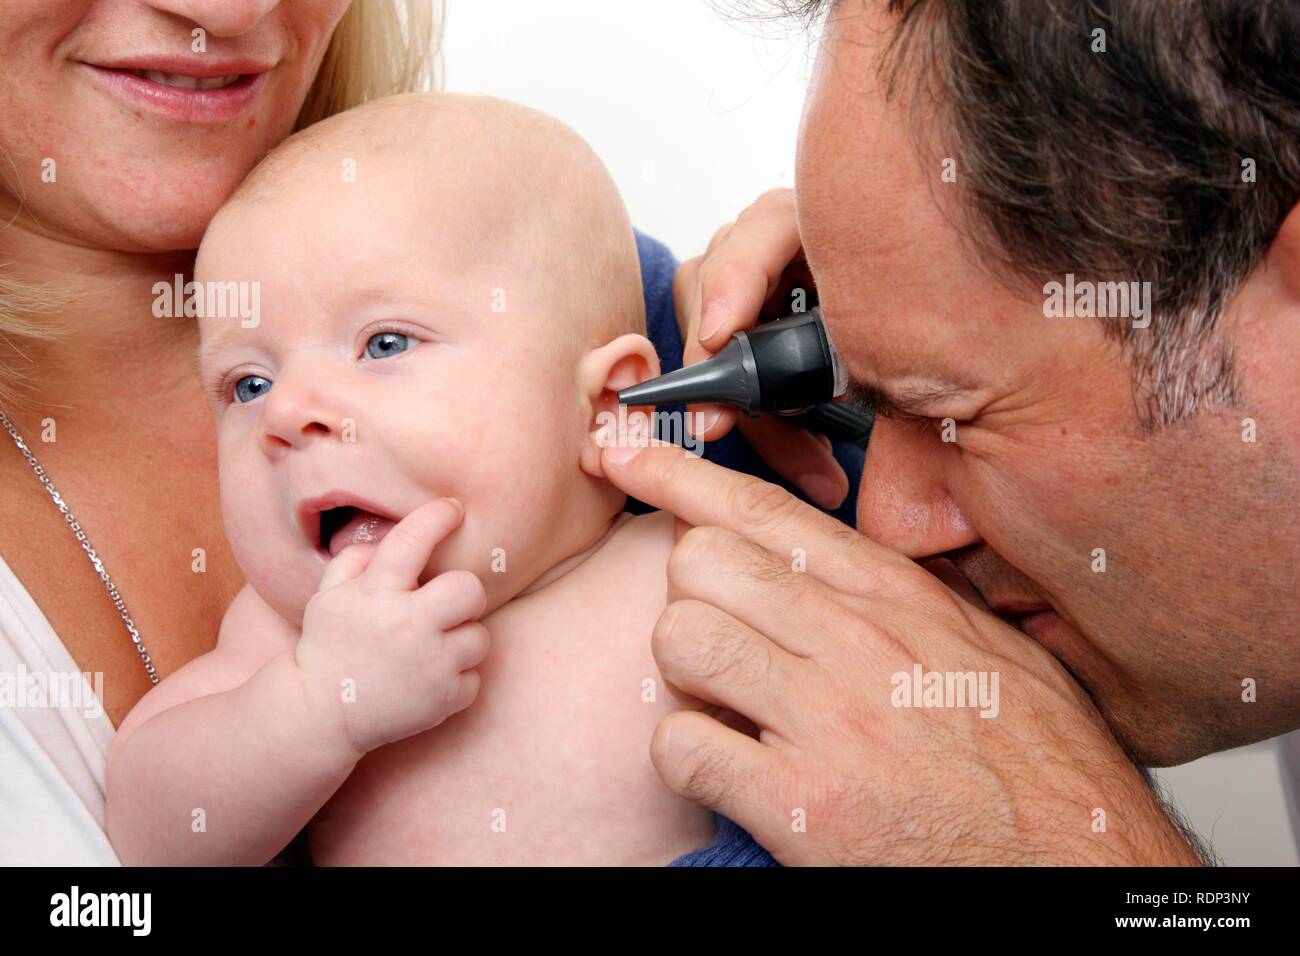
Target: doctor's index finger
702, 493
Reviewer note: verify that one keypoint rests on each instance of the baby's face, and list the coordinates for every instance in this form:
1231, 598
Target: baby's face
399, 357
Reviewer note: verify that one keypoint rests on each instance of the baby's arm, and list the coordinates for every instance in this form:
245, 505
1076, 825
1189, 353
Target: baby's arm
254, 737
228, 758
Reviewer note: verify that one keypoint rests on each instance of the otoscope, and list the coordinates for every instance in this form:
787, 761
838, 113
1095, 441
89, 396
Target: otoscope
787, 366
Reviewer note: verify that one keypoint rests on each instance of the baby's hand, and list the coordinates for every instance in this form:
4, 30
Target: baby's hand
387, 657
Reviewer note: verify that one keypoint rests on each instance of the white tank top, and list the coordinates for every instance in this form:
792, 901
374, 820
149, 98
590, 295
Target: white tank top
54, 740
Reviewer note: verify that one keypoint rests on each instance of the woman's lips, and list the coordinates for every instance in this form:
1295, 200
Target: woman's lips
185, 82
196, 95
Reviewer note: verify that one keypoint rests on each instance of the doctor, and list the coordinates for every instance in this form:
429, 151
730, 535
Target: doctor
1100, 513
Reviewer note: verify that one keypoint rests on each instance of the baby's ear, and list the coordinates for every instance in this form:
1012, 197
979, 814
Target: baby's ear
628, 360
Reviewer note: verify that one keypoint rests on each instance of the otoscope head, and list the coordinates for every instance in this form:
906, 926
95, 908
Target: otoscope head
728, 378
779, 366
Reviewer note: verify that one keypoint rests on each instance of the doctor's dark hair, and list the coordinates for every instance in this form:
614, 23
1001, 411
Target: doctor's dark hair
1171, 154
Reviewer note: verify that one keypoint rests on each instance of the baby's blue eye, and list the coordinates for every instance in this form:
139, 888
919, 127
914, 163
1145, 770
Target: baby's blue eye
250, 387
384, 344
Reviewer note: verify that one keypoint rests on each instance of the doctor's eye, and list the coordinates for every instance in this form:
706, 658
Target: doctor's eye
384, 344
250, 387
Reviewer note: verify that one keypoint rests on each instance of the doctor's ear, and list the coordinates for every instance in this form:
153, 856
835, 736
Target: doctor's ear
1285, 250
628, 360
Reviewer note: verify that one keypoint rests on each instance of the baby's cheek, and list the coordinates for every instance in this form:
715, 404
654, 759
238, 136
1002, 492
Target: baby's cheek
473, 546
483, 547
271, 564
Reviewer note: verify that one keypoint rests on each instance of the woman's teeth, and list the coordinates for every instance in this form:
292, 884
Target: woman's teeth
185, 82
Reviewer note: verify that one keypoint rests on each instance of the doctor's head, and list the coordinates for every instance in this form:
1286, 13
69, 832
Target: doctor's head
1063, 254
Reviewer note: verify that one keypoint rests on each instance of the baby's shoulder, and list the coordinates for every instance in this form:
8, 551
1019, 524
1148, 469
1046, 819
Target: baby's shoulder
634, 559
647, 537
627, 570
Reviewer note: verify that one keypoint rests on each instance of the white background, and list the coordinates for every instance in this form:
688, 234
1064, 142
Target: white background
695, 116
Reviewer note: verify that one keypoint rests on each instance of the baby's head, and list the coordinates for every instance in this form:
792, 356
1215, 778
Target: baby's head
450, 298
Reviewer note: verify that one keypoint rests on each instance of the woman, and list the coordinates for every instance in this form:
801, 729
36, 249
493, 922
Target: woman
126, 127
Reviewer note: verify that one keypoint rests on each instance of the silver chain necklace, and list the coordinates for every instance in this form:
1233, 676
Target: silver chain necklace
71, 519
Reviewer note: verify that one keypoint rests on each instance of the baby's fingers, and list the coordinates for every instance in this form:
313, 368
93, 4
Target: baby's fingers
453, 598
346, 565
466, 646
405, 550
465, 692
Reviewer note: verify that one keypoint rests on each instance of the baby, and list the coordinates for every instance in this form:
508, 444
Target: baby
450, 301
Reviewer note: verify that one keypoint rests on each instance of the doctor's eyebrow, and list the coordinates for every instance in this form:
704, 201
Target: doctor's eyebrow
905, 403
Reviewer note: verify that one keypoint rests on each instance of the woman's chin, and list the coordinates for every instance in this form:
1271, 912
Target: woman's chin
143, 194
139, 218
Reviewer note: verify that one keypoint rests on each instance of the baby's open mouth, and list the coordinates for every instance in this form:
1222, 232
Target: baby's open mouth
340, 527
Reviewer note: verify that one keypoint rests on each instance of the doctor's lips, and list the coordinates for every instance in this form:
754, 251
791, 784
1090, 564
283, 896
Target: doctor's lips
335, 520
1023, 616
198, 88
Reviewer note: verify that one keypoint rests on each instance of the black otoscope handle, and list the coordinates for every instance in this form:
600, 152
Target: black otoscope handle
793, 359
796, 365
846, 423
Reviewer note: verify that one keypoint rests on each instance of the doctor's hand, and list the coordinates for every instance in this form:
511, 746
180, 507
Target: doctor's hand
821, 637
745, 277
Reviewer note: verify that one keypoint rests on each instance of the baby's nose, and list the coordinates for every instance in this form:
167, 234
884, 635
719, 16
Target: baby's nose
295, 413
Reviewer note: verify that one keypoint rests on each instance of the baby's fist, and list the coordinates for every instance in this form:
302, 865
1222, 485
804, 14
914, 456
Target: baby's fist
386, 657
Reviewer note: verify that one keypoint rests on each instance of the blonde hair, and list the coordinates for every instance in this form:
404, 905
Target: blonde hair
379, 47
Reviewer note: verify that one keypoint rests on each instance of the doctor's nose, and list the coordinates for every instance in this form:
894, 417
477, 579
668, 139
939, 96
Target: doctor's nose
903, 500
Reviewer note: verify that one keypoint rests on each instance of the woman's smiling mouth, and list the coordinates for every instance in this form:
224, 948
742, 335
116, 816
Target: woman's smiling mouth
196, 90
181, 81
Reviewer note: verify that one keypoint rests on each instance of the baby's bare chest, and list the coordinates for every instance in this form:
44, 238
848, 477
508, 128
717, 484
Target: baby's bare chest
553, 753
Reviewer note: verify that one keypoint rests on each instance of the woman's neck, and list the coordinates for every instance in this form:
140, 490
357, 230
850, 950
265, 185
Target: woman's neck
109, 349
